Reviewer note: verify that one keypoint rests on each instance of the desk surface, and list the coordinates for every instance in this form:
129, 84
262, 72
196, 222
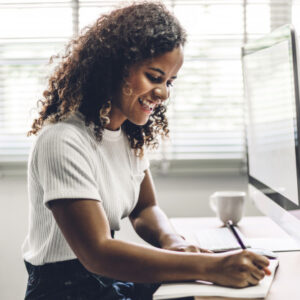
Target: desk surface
286, 284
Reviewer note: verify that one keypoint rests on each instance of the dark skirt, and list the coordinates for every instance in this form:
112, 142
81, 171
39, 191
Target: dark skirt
70, 280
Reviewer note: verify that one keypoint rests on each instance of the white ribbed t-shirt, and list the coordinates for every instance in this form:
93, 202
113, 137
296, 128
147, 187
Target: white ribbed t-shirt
66, 161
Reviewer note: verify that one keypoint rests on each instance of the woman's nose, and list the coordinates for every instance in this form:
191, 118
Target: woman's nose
161, 93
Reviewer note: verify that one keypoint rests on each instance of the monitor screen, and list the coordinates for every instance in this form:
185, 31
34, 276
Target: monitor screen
272, 97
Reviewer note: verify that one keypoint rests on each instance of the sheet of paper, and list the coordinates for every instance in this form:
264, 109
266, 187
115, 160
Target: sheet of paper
216, 239
178, 290
275, 244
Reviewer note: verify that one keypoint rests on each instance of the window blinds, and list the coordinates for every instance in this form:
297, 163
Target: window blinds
30, 32
206, 106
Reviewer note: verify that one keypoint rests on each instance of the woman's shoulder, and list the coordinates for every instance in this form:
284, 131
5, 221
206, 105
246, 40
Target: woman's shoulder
70, 130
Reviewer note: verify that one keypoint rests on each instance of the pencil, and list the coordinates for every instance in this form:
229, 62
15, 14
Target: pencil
229, 224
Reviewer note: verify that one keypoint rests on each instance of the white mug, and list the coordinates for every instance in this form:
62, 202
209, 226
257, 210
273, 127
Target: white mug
228, 205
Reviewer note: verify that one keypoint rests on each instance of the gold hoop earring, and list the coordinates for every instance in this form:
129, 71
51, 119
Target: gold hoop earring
104, 113
126, 89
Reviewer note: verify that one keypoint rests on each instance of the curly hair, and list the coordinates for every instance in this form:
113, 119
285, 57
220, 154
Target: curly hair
96, 64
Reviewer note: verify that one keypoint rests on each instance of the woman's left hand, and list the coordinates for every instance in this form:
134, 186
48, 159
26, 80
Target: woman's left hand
178, 243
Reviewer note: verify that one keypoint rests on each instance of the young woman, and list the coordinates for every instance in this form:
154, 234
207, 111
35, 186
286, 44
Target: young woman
87, 170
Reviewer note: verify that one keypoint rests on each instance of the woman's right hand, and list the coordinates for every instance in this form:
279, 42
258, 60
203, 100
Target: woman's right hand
239, 269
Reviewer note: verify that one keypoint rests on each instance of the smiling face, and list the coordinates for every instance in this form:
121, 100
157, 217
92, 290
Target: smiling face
147, 85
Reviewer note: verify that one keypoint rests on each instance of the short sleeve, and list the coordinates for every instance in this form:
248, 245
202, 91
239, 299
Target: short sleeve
64, 163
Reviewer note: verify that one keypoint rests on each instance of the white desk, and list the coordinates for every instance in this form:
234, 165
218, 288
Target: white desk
286, 284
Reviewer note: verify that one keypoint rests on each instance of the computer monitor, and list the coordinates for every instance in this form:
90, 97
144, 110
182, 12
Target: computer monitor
270, 69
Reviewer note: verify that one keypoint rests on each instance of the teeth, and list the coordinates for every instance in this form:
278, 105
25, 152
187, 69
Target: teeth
147, 104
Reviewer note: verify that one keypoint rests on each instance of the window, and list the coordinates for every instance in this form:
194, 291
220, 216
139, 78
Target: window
31, 31
206, 107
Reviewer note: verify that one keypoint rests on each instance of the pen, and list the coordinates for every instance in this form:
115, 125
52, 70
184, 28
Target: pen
229, 224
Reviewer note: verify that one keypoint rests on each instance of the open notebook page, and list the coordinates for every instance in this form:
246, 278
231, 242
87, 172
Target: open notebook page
199, 288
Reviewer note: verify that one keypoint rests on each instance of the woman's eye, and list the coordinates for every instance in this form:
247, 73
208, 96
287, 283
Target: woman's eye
153, 79
158, 80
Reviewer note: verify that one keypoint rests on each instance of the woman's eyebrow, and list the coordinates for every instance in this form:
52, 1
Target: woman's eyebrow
161, 72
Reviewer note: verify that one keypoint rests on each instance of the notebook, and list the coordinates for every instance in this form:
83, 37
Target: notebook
200, 288
219, 239
216, 239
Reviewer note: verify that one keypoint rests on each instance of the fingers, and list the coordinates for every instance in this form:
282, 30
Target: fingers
185, 248
251, 273
192, 248
195, 249
267, 271
205, 250
251, 276
256, 272
252, 280
258, 268
253, 268
260, 261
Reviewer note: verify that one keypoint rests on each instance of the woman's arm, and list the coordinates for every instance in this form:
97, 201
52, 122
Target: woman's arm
151, 223
85, 227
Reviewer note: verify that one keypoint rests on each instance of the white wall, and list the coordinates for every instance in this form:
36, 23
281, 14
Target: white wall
13, 224
179, 195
